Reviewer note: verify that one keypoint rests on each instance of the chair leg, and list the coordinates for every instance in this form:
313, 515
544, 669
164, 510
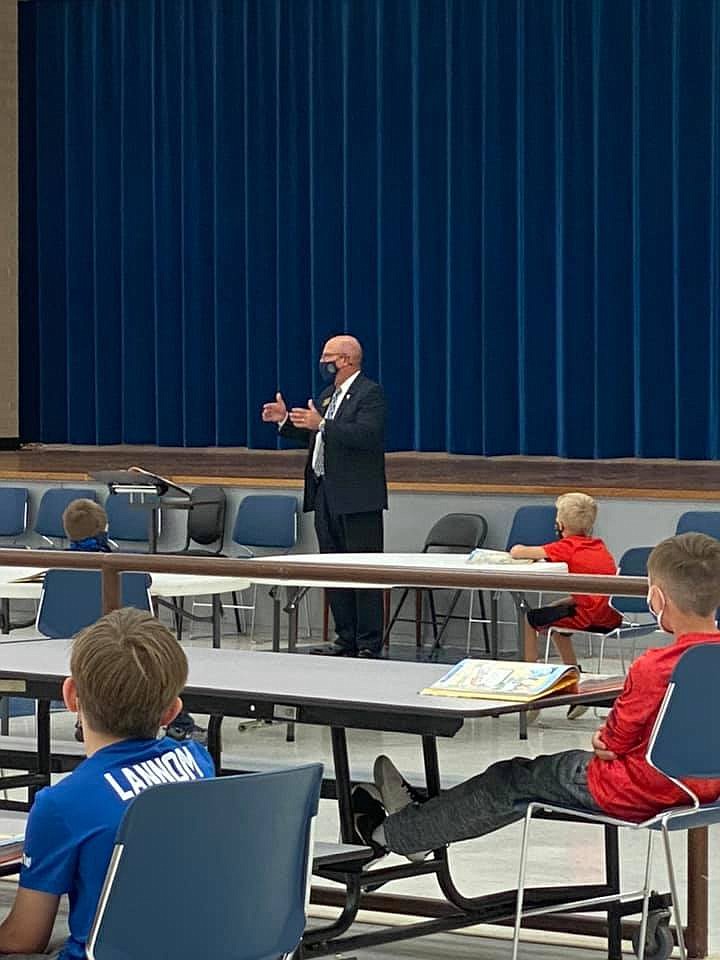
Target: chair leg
326, 616
433, 616
646, 898
674, 892
387, 594
236, 602
252, 615
521, 883
391, 622
548, 638
484, 617
179, 602
308, 619
418, 618
468, 636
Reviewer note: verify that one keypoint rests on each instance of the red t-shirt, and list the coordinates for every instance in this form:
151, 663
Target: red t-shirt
629, 787
586, 555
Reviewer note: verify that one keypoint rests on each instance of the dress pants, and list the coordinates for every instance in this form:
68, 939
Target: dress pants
358, 614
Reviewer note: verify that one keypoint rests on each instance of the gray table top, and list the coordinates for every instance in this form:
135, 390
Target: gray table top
378, 686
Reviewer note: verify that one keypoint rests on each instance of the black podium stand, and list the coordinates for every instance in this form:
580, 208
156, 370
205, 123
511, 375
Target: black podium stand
148, 492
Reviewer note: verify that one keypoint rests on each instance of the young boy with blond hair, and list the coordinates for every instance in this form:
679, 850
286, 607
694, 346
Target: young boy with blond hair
614, 777
86, 525
126, 674
583, 553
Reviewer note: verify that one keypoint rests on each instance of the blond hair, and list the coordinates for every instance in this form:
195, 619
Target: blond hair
84, 518
687, 569
128, 669
576, 512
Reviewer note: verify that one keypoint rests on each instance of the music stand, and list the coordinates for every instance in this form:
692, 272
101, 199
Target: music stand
148, 488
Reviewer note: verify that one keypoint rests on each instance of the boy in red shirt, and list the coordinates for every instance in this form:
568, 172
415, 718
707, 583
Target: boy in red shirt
615, 777
583, 553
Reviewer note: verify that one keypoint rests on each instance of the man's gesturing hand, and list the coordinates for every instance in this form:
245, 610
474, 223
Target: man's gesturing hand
276, 411
305, 417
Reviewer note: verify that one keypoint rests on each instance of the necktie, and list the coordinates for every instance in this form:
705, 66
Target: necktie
319, 458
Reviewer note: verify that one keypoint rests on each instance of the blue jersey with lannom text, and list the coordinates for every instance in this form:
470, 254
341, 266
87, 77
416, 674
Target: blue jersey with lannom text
72, 825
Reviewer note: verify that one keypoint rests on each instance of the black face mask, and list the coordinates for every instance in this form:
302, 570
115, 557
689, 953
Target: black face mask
328, 369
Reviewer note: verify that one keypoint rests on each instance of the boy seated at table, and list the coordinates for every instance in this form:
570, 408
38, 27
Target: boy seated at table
126, 674
583, 553
86, 526
615, 777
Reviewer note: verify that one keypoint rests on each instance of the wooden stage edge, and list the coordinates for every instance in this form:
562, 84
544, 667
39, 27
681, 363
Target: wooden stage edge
407, 472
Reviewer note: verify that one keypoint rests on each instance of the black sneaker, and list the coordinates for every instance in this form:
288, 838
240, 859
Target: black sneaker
396, 794
182, 732
369, 814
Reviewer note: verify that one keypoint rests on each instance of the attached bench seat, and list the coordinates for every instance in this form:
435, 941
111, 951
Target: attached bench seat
18, 753
234, 763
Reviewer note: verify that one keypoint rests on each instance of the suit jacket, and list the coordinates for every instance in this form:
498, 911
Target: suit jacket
354, 450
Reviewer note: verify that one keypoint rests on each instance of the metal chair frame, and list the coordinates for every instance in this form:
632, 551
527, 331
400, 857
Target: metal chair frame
676, 818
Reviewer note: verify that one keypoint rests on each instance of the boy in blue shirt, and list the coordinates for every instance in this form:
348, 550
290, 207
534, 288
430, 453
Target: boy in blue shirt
127, 671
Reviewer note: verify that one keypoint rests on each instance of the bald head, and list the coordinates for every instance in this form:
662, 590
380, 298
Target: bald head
342, 356
345, 346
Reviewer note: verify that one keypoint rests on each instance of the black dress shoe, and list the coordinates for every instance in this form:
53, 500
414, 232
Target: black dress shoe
334, 650
367, 654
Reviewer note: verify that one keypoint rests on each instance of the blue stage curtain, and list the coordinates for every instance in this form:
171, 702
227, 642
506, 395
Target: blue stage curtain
515, 204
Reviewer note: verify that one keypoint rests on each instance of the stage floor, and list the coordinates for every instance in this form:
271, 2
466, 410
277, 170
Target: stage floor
409, 472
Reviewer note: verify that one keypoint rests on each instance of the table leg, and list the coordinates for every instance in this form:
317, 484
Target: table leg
214, 741
343, 785
519, 601
275, 596
43, 746
494, 639
697, 873
612, 878
4, 701
292, 607
216, 621
522, 725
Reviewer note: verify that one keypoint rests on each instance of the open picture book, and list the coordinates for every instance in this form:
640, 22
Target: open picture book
504, 680
482, 555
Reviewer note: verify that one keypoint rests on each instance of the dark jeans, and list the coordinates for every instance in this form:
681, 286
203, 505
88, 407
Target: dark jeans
358, 614
491, 800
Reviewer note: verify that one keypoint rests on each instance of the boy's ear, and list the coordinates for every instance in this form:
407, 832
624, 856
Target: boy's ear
69, 691
172, 711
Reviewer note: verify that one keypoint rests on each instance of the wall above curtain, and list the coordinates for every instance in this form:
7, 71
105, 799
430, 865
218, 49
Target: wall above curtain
515, 204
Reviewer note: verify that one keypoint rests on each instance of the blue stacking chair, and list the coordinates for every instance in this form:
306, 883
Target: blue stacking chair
685, 743
637, 621
72, 599
53, 503
127, 522
264, 524
13, 511
700, 521
533, 526
242, 844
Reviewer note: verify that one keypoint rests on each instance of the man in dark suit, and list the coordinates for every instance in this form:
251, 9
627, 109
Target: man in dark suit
344, 481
